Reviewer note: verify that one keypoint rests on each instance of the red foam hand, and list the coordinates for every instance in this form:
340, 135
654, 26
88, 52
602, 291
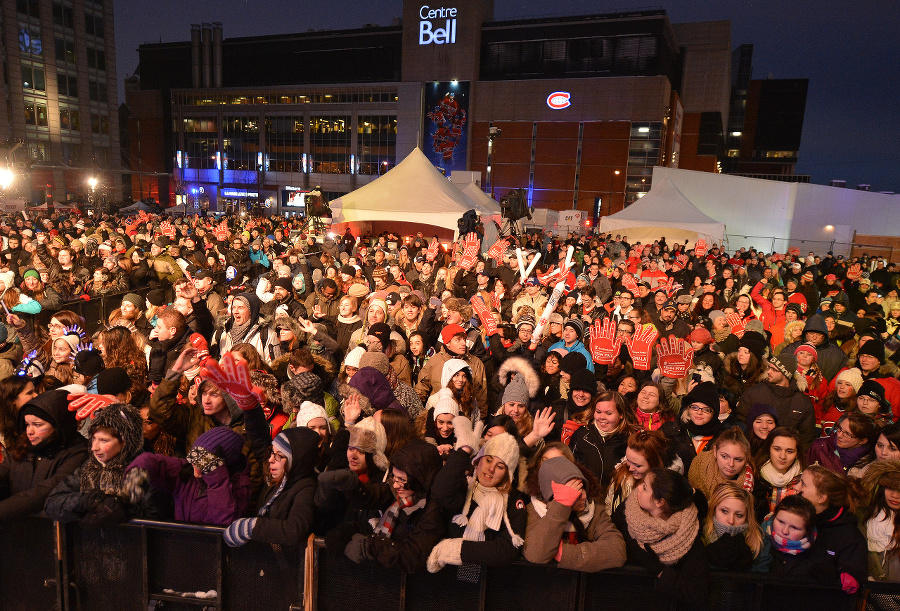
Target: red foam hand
201, 345
84, 404
470, 252
700, 248
640, 346
484, 313
498, 250
854, 272
551, 277
221, 231
737, 324
495, 301
777, 256
674, 357
630, 283
233, 377
167, 229
604, 343
794, 251
432, 250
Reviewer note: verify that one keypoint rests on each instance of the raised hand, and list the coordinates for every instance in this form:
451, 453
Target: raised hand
498, 250
233, 377
487, 319
544, 421
640, 346
432, 250
470, 251
700, 248
84, 404
674, 357
736, 323
605, 345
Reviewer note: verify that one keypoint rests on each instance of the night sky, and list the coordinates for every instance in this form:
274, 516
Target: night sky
848, 51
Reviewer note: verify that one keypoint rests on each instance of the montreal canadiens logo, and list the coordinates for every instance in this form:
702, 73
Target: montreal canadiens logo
559, 100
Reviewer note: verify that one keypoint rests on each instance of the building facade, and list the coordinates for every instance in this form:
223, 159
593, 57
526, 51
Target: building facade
575, 110
61, 127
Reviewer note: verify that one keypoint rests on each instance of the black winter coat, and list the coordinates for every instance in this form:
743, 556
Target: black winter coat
599, 454
25, 484
449, 491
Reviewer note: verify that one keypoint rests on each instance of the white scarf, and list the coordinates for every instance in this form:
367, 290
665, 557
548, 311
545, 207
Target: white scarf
585, 517
779, 480
488, 515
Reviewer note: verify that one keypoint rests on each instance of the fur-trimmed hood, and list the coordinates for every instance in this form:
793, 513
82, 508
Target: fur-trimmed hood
517, 365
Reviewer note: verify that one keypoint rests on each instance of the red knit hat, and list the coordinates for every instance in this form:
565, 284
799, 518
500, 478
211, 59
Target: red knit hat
807, 348
451, 331
701, 336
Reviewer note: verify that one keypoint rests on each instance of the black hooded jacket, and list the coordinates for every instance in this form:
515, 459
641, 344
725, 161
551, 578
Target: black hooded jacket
289, 519
26, 483
830, 359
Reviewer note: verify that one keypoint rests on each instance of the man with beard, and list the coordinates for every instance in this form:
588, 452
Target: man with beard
284, 301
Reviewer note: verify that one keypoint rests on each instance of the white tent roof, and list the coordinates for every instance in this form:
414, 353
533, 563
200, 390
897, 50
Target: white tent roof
136, 207
664, 211
484, 202
413, 191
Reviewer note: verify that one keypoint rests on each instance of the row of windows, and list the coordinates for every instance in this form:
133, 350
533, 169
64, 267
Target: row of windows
36, 114
189, 99
64, 16
382, 124
330, 145
70, 153
602, 54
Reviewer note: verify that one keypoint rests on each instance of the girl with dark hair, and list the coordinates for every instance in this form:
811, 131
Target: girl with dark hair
887, 447
779, 465
849, 448
47, 449
659, 523
15, 391
650, 406
882, 520
839, 541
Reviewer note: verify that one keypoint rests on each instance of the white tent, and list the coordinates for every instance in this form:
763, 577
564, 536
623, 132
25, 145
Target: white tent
413, 191
664, 211
486, 204
137, 206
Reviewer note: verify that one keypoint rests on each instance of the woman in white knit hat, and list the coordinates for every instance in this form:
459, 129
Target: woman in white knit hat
436, 425
488, 527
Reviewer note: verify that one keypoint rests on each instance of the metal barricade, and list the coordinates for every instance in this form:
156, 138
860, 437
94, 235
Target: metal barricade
147, 565
95, 311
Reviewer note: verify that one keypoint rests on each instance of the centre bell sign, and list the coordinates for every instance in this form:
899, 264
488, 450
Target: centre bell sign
428, 34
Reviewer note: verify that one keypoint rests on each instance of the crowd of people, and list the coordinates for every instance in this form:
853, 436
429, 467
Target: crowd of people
574, 400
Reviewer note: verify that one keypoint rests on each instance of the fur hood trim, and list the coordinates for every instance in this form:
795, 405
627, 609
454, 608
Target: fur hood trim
517, 365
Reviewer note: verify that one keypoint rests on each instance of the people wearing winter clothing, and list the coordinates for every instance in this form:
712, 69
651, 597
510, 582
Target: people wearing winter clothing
600, 444
567, 521
48, 449
662, 534
829, 357
488, 524
98, 492
286, 508
211, 486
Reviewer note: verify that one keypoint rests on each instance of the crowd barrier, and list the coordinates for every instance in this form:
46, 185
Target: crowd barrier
152, 565
95, 311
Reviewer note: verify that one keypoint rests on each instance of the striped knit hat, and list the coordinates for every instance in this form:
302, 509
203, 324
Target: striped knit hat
282, 445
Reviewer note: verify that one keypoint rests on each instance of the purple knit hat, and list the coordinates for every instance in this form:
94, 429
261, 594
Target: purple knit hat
224, 443
372, 384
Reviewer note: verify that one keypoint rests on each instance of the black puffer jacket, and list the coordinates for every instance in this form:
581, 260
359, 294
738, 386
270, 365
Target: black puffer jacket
26, 483
830, 359
598, 453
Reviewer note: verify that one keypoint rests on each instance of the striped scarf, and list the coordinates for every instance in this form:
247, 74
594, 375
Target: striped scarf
385, 526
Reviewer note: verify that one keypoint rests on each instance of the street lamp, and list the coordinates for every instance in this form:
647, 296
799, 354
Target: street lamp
6, 178
92, 182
